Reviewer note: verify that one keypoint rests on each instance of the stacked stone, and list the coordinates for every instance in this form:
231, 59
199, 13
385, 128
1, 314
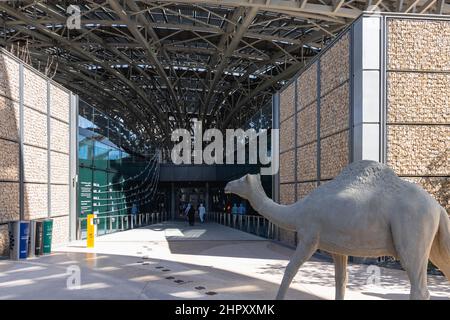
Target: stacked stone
9, 147
287, 193
307, 130
418, 103
4, 239
38, 148
418, 112
288, 237
333, 123
418, 44
303, 189
60, 229
287, 144
299, 171
59, 157
35, 150
334, 108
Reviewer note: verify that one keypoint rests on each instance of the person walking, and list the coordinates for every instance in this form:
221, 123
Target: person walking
234, 210
241, 209
186, 211
134, 212
202, 212
191, 214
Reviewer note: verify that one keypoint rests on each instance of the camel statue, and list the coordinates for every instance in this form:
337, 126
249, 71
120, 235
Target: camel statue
366, 211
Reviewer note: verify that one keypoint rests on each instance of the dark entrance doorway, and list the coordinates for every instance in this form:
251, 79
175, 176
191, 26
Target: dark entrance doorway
192, 195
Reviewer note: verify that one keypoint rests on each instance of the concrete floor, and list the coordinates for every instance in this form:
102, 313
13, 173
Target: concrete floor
174, 261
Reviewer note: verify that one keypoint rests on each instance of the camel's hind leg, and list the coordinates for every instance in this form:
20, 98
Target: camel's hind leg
304, 251
417, 273
436, 256
413, 253
340, 275
440, 251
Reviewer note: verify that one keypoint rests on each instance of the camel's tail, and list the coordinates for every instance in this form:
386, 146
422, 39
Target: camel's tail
440, 252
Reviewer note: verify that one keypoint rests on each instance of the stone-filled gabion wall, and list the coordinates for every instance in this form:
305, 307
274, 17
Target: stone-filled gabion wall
45, 146
9, 146
418, 103
315, 105
334, 108
402, 106
308, 137
287, 151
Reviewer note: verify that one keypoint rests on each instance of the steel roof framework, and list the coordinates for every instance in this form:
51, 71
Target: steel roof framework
158, 64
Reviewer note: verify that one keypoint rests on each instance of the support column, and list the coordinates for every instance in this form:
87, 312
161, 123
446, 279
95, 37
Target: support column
276, 125
207, 197
49, 147
21, 138
172, 200
73, 160
367, 93
367, 89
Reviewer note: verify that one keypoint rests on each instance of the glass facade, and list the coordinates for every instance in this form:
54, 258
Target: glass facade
262, 119
113, 178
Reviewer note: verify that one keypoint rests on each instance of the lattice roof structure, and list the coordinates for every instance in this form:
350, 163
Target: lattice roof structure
158, 64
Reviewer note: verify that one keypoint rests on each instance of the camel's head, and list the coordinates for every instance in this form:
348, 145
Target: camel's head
242, 186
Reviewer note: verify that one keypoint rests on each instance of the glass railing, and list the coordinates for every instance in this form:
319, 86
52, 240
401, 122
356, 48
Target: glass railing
116, 223
253, 224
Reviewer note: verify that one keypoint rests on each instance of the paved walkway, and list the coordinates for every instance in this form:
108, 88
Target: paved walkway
174, 261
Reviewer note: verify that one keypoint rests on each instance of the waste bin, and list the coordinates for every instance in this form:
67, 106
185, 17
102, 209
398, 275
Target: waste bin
32, 239
18, 239
47, 230
39, 237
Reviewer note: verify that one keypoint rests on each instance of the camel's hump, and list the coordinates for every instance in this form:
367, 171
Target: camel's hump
365, 171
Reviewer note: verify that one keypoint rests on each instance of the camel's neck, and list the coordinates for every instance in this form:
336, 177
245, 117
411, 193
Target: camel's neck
281, 215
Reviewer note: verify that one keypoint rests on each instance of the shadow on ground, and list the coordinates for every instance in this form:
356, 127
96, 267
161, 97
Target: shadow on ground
123, 277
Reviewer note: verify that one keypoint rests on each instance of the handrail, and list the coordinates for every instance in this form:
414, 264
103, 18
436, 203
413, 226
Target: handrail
117, 223
253, 224
107, 224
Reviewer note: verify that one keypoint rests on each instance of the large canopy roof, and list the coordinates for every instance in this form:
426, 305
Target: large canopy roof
158, 64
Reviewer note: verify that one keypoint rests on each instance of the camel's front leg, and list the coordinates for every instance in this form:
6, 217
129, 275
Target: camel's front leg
340, 275
304, 251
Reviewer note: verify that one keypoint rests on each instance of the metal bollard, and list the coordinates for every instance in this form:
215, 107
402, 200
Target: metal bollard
79, 229
257, 226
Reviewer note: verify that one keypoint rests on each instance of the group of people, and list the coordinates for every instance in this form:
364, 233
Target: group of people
238, 210
189, 212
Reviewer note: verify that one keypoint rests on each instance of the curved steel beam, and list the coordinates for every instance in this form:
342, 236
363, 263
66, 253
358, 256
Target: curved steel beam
237, 36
